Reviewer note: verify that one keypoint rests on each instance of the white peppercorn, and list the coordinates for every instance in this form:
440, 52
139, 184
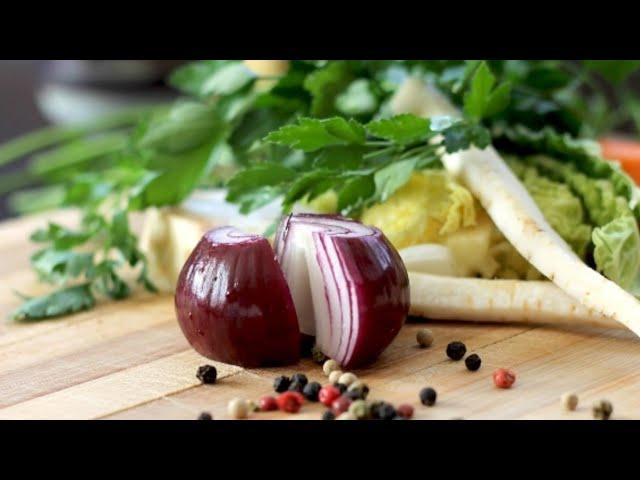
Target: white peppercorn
238, 408
569, 401
346, 416
347, 378
329, 366
424, 337
334, 376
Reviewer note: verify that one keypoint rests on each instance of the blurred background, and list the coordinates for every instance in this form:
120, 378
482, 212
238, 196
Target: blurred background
36, 93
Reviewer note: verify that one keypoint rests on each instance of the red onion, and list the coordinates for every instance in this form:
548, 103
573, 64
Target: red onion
349, 285
233, 303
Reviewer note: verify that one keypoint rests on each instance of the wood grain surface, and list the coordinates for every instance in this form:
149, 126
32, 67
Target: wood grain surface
129, 360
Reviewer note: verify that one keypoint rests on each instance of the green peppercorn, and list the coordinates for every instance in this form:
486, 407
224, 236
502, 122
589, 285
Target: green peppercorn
424, 337
428, 396
359, 409
317, 355
602, 410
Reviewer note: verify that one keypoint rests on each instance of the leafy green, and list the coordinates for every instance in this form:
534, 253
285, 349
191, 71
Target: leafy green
358, 98
61, 302
325, 84
617, 252
401, 129
485, 99
312, 134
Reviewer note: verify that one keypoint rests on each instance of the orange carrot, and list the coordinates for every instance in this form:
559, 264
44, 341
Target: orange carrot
627, 152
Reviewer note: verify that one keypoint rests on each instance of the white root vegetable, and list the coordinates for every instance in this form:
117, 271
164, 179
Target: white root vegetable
513, 301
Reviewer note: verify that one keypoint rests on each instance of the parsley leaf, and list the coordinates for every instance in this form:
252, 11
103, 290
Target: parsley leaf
402, 129
311, 134
483, 100
61, 302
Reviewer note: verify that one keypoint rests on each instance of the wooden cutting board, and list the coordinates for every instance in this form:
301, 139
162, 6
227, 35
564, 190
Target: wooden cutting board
129, 360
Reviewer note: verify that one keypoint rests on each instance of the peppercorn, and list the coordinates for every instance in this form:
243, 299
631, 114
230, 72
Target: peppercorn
328, 394
383, 411
268, 403
340, 405
428, 396
424, 337
359, 409
329, 366
340, 386
207, 374
335, 376
317, 356
504, 378
290, 402
345, 416
237, 408
296, 386
205, 416
300, 378
602, 410
328, 415
456, 350
253, 406
473, 362
405, 410
311, 390
359, 394
569, 401
281, 384
347, 378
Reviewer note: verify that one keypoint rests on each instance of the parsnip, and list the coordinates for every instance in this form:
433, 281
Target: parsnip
514, 301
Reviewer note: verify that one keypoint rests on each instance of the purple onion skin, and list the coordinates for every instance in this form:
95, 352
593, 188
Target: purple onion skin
234, 306
382, 282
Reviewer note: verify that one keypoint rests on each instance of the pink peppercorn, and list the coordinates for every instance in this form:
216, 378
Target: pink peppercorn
405, 410
268, 403
328, 394
290, 402
504, 378
340, 405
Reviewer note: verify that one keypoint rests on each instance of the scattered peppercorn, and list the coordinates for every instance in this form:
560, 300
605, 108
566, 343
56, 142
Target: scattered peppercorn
281, 384
329, 366
290, 402
456, 350
428, 396
237, 408
205, 416
345, 416
328, 394
405, 410
300, 378
473, 362
268, 403
504, 378
569, 401
340, 386
602, 410
296, 386
359, 394
317, 356
207, 374
340, 405
328, 415
335, 376
347, 378
424, 337
253, 406
311, 390
398, 417
359, 409
383, 411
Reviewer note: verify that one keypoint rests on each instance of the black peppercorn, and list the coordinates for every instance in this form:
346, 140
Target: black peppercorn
281, 384
300, 378
456, 350
207, 374
340, 386
311, 390
328, 415
384, 411
428, 396
296, 386
357, 394
205, 416
473, 362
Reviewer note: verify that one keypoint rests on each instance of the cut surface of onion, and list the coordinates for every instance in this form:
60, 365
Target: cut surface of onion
233, 303
349, 285
430, 258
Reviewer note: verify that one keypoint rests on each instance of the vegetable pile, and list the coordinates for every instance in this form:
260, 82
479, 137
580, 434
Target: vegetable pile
364, 139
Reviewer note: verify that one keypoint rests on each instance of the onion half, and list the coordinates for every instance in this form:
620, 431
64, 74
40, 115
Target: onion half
349, 285
233, 303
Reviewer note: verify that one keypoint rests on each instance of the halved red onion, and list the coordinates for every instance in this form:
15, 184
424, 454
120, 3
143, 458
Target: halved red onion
233, 303
348, 283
